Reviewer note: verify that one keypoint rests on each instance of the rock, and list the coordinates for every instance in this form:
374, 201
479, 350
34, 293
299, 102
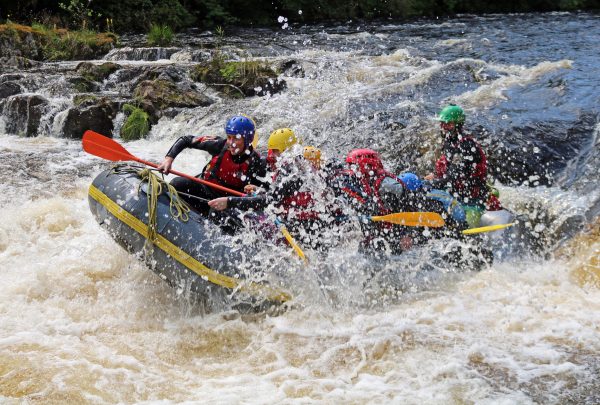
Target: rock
9, 89
18, 62
153, 113
141, 53
85, 100
97, 117
163, 94
83, 85
22, 41
10, 77
171, 73
239, 79
22, 114
139, 74
97, 73
292, 68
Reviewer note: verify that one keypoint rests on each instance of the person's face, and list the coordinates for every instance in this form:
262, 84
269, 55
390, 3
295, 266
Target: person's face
275, 153
447, 126
235, 144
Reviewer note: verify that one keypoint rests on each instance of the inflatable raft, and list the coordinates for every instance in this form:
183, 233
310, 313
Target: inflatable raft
182, 247
194, 256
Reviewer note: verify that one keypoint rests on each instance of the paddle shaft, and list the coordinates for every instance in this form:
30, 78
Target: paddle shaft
490, 228
196, 179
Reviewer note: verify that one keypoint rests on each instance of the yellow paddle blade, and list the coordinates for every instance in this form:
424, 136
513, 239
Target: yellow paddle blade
486, 229
292, 242
429, 219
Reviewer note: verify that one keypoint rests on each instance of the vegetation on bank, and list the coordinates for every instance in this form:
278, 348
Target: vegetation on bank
160, 35
139, 15
40, 42
137, 124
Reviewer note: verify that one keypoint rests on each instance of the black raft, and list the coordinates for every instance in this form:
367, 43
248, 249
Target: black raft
185, 249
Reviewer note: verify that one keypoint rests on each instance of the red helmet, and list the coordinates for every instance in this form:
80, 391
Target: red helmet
366, 160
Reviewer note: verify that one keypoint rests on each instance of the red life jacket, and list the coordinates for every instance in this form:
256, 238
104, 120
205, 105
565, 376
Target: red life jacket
271, 162
479, 174
301, 202
224, 171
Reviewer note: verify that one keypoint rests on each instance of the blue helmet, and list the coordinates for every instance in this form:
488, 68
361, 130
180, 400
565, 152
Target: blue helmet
243, 126
411, 181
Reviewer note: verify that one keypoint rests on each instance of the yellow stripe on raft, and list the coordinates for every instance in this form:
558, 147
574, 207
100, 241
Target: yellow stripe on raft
182, 257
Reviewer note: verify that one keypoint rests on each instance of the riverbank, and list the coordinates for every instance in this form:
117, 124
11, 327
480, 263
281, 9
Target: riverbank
40, 43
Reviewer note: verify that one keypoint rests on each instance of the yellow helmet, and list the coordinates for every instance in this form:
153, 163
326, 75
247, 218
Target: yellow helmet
281, 139
313, 155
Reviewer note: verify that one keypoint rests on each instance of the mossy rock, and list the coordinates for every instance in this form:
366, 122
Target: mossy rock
83, 85
239, 79
18, 62
97, 73
83, 100
164, 94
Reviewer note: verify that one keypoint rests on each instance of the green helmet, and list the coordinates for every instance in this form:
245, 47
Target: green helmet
452, 113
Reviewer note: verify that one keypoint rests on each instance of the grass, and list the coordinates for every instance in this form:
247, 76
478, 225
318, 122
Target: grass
136, 126
160, 35
58, 43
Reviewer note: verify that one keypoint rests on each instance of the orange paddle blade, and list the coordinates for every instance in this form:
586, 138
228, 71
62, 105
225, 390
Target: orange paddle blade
104, 147
429, 219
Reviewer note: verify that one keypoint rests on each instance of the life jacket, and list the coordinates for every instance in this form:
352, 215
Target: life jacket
368, 188
223, 170
271, 162
301, 203
493, 203
478, 177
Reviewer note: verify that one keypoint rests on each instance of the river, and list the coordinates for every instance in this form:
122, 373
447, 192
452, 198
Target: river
82, 321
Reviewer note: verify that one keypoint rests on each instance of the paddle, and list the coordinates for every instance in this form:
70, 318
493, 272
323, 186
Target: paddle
106, 148
490, 228
291, 240
429, 219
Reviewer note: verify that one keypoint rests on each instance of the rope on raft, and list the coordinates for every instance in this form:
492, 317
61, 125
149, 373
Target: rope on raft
178, 208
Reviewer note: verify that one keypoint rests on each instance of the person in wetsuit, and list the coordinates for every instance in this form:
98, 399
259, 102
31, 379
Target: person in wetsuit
462, 168
234, 163
371, 190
